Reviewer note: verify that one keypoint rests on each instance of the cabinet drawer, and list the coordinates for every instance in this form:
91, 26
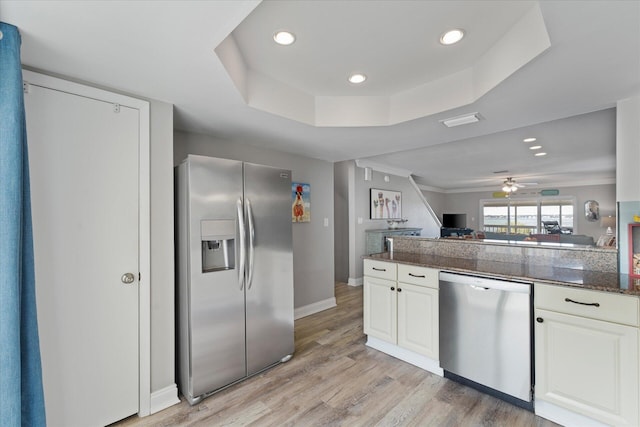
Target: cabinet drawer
380, 269
610, 307
422, 276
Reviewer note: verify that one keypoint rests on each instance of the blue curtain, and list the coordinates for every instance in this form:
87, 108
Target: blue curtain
21, 396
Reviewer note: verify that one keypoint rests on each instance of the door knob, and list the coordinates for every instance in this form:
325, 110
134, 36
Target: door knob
128, 278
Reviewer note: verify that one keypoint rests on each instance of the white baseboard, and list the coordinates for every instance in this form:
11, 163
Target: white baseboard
563, 416
354, 282
408, 356
316, 307
164, 398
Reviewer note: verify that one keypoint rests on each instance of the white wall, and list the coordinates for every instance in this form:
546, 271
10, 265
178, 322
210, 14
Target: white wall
605, 194
627, 172
628, 149
313, 243
436, 201
412, 208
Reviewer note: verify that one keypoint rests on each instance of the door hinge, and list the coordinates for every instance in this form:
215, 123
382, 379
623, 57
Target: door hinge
25, 87
116, 108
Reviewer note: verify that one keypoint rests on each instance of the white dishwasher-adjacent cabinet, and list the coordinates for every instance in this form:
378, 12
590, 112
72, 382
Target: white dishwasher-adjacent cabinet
401, 307
418, 316
586, 354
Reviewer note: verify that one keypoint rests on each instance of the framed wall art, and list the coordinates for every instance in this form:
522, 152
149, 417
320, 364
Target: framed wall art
385, 204
301, 207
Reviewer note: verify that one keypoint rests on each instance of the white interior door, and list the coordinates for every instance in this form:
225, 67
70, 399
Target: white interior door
84, 183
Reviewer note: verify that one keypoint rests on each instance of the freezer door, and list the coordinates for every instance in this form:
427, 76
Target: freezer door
216, 297
269, 294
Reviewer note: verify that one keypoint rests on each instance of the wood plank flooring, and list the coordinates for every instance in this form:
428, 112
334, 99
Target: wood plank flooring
335, 380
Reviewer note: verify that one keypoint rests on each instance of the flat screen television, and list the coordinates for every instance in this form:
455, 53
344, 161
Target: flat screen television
454, 220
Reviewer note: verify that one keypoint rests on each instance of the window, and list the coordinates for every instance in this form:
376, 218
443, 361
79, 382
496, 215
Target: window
558, 210
526, 216
496, 218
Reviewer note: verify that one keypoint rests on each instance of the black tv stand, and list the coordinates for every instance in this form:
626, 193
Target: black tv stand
454, 232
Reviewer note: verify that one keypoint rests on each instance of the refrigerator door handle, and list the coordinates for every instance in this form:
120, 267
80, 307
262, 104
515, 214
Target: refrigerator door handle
243, 240
251, 243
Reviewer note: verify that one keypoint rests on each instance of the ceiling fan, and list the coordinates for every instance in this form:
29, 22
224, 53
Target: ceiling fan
510, 185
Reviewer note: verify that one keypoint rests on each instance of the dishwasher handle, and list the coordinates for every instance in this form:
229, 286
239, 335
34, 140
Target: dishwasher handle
487, 283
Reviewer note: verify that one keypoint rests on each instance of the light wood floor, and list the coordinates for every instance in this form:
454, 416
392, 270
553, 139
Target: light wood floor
335, 380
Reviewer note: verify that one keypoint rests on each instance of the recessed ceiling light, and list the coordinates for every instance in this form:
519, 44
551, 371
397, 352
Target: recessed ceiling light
451, 37
284, 38
540, 154
528, 139
535, 147
357, 78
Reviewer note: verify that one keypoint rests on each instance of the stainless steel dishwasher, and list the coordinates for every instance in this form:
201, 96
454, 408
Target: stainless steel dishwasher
485, 335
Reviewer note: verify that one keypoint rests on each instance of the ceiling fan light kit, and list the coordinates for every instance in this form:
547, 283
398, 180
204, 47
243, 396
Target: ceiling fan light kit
509, 185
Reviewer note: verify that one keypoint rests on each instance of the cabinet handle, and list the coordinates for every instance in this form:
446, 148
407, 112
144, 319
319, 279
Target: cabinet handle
379, 269
594, 304
417, 275
399, 290
539, 319
393, 289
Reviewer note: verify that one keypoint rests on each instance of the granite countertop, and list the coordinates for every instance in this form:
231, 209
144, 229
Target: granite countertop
594, 280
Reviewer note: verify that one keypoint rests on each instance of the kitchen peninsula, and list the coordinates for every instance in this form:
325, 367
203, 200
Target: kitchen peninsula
585, 317
588, 267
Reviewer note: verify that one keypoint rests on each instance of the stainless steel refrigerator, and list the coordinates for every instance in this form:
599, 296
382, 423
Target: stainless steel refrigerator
234, 272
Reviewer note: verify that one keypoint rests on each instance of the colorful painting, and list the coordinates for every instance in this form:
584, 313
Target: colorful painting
386, 204
301, 208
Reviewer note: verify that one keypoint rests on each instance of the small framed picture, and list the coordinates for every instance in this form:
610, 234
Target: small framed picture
301, 207
385, 204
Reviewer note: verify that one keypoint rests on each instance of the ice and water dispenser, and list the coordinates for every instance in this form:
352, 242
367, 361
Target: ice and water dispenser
218, 244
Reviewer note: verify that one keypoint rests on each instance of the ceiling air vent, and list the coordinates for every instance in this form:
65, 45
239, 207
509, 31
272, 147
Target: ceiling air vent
461, 120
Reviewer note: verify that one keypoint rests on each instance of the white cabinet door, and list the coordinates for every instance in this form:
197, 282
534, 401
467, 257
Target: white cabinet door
587, 366
84, 183
418, 319
380, 309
